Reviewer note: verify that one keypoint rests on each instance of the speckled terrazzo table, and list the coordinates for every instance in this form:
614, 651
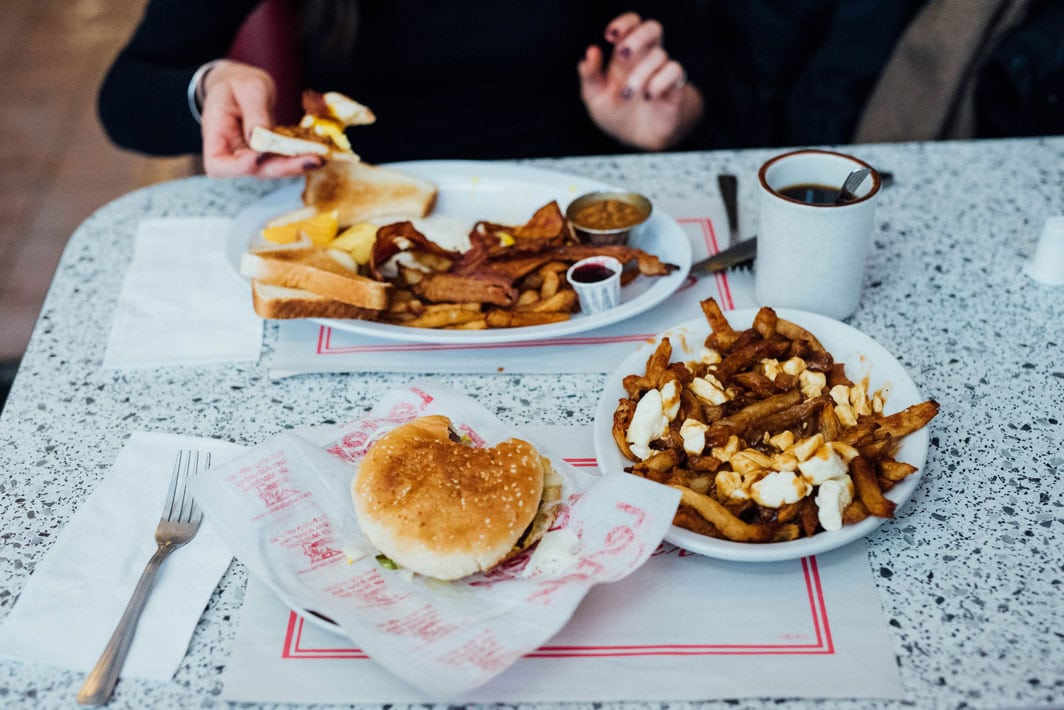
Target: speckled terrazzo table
970, 573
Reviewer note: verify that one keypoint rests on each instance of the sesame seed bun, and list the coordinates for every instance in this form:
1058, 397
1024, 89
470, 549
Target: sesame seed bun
443, 509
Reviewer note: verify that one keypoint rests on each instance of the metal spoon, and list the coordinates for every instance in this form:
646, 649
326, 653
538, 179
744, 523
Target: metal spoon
853, 181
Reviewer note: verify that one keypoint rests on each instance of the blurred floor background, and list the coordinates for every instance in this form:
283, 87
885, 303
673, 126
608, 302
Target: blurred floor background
56, 165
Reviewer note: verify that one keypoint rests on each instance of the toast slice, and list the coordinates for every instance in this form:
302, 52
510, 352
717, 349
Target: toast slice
282, 303
295, 141
359, 192
317, 271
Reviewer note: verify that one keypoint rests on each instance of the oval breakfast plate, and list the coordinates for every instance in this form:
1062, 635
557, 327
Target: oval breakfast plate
506, 194
862, 355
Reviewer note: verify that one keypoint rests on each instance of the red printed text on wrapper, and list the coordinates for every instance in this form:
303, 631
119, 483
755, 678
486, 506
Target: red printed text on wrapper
423, 623
367, 590
268, 478
354, 444
484, 652
313, 539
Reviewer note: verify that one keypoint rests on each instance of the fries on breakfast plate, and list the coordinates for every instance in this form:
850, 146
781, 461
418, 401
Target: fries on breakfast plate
787, 433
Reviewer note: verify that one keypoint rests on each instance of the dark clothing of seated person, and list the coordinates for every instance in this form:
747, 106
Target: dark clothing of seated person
477, 79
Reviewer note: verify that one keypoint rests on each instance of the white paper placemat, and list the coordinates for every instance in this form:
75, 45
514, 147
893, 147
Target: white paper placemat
304, 346
683, 627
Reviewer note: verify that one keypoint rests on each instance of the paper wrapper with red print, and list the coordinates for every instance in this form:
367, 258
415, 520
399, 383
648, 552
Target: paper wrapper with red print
285, 508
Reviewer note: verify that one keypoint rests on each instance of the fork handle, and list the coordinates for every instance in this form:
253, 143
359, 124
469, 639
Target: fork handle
100, 683
729, 192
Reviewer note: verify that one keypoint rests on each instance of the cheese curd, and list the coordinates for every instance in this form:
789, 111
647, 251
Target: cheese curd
824, 465
812, 383
709, 356
693, 433
710, 389
832, 497
648, 423
778, 488
670, 399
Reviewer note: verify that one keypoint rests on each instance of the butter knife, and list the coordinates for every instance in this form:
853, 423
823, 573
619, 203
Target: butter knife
729, 193
742, 253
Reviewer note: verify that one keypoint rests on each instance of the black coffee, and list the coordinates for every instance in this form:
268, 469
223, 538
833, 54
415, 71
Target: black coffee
812, 193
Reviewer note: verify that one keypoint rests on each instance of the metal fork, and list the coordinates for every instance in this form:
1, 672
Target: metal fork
179, 523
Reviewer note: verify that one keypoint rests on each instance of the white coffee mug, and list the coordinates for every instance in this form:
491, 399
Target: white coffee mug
811, 255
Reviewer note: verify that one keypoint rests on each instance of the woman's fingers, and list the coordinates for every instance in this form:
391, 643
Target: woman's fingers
640, 39
239, 97
620, 26
638, 81
590, 71
668, 80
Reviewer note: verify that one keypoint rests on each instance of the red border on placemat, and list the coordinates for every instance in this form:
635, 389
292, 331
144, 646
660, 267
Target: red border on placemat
823, 643
324, 345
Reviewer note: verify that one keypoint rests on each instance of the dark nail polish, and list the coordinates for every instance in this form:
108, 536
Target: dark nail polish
626, 52
627, 93
311, 164
261, 158
613, 34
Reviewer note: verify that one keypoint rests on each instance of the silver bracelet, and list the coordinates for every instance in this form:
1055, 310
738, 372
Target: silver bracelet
196, 90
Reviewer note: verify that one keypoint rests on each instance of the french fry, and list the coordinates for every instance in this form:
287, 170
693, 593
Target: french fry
868, 490
765, 322
907, 420
442, 315
561, 301
748, 416
855, 512
520, 319
894, 470
527, 297
792, 331
478, 324
730, 526
724, 335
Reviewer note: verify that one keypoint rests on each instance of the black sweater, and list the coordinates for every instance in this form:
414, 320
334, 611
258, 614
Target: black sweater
471, 79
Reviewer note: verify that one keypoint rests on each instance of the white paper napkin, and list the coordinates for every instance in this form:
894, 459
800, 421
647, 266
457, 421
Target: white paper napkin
72, 603
181, 303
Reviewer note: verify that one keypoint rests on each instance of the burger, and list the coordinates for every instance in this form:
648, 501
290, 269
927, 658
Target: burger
437, 506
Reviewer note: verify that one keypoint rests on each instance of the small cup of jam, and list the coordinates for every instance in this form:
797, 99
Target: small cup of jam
603, 218
597, 282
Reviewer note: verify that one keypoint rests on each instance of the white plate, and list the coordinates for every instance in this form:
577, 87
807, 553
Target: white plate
506, 194
862, 356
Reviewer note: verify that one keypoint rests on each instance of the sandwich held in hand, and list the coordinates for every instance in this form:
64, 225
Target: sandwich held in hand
440, 507
321, 132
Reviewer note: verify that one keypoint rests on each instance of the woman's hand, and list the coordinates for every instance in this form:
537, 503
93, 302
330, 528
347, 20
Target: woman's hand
238, 97
641, 97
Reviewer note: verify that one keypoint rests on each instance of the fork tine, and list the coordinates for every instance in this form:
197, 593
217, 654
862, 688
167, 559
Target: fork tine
190, 512
196, 514
180, 505
184, 508
171, 495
